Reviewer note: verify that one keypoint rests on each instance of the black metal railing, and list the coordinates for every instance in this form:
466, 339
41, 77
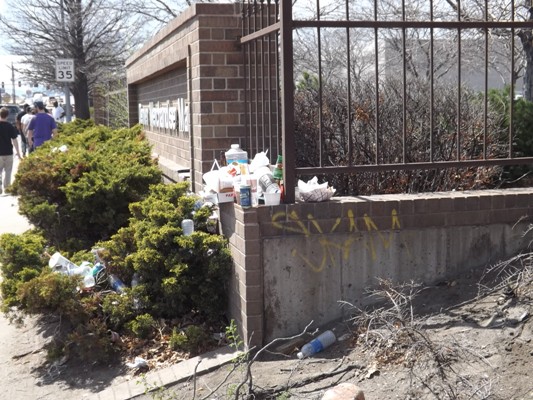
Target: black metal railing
412, 57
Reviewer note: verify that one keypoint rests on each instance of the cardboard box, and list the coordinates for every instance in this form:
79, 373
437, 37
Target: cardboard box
226, 197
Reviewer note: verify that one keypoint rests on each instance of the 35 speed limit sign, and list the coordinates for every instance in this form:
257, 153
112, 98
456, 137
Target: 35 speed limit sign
65, 70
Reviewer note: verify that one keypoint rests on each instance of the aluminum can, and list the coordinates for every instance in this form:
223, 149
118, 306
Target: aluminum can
246, 196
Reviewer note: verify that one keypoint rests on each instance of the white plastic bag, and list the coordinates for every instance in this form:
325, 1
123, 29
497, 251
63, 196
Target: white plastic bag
260, 160
212, 178
312, 191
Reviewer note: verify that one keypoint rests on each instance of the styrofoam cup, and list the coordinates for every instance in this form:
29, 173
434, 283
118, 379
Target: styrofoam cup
272, 199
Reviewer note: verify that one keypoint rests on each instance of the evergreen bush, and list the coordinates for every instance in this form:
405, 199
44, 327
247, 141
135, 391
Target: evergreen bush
80, 194
179, 274
105, 191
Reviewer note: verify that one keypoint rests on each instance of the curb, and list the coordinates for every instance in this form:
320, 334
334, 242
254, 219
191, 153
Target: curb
170, 375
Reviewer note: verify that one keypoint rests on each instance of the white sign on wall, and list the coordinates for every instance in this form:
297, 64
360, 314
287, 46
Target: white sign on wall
65, 70
174, 117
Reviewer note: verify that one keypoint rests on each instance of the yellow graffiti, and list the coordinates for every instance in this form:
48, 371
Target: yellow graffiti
329, 248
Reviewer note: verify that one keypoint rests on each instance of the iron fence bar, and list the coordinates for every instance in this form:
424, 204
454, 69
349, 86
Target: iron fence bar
275, 27
459, 58
256, 73
278, 88
432, 84
246, 61
349, 87
511, 94
269, 77
287, 85
486, 94
413, 24
320, 92
376, 68
404, 88
412, 166
262, 51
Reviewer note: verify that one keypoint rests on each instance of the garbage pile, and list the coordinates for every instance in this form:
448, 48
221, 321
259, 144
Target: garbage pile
234, 178
93, 274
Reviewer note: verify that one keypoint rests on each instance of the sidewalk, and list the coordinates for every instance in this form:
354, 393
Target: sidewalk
21, 352
11, 221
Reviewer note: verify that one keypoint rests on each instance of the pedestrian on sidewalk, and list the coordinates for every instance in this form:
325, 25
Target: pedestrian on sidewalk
42, 127
8, 140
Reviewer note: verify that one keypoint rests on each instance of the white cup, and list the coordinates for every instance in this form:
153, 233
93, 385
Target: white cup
272, 199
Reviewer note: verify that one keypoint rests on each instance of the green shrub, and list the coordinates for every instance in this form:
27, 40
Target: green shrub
82, 195
118, 309
90, 343
179, 273
192, 339
20, 261
142, 326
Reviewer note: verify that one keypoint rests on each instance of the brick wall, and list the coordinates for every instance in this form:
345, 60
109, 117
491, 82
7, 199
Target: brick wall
198, 55
293, 263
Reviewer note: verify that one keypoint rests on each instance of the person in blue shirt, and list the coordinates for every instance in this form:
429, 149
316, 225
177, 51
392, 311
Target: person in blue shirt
42, 127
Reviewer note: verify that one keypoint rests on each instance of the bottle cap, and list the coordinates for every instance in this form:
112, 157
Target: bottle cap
300, 355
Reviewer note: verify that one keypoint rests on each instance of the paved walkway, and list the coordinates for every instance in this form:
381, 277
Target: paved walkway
21, 350
10, 220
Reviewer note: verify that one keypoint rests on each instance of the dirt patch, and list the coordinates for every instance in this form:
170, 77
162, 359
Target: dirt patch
465, 339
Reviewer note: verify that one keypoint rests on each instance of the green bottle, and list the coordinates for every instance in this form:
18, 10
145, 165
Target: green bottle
278, 170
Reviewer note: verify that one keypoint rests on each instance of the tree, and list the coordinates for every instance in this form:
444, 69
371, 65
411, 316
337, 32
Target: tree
98, 35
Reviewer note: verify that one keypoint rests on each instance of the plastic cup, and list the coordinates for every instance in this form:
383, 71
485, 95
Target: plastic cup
272, 199
188, 227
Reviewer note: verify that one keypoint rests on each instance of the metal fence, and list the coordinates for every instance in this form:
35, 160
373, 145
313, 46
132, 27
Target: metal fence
394, 39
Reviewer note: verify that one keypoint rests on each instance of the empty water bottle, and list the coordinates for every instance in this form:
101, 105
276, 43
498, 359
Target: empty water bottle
115, 282
324, 340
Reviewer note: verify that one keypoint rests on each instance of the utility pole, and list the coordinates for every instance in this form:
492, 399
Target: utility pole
14, 97
68, 111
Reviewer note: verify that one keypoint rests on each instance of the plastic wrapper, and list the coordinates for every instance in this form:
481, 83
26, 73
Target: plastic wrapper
312, 191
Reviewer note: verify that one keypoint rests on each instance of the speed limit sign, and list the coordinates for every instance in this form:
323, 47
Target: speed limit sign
65, 70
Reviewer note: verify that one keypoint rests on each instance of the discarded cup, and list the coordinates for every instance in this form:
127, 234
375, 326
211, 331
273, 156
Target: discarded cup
188, 227
272, 199
60, 263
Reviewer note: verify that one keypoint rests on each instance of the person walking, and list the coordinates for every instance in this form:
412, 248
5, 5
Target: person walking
25, 121
58, 113
23, 141
42, 127
8, 140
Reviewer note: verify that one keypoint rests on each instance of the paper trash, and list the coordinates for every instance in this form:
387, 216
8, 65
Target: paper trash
312, 191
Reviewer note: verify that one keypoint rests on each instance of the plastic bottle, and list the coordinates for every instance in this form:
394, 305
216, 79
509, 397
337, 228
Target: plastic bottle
86, 271
188, 227
116, 284
278, 170
134, 280
236, 154
318, 344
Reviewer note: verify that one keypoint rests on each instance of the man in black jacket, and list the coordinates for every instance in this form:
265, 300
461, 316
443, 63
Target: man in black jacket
8, 140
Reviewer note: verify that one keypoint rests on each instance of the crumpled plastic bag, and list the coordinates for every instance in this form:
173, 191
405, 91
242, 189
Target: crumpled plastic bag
312, 191
260, 160
139, 362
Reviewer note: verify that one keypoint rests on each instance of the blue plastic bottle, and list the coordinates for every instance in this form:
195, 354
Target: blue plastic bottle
318, 344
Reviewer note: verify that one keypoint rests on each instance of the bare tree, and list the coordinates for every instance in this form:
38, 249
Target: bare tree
98, 35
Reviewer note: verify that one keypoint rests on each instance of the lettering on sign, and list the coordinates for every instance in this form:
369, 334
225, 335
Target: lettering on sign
173, 117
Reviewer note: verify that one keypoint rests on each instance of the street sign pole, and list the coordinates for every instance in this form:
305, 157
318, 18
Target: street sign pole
65, 73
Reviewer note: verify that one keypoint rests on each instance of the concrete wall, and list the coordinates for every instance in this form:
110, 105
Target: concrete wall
294, 263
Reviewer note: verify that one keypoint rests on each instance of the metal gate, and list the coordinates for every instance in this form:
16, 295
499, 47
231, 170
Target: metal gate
394, 43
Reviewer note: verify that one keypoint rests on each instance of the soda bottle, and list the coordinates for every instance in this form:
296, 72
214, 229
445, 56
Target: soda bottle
278, 170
